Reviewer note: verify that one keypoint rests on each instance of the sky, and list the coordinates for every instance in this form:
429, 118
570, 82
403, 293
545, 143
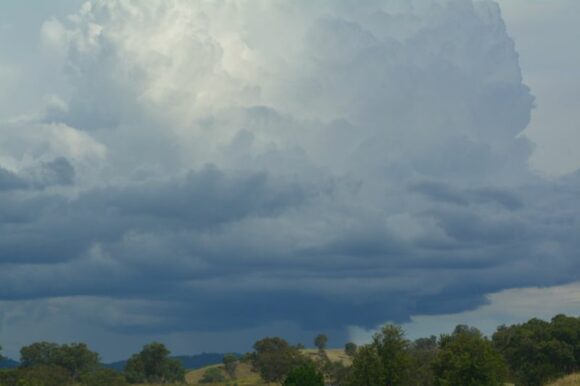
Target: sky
207, 173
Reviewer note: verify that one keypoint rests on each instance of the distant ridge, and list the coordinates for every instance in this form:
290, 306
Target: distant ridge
8, 364
189, 362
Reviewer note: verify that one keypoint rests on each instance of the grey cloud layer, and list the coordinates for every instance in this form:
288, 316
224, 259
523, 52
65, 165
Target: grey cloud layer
233, 164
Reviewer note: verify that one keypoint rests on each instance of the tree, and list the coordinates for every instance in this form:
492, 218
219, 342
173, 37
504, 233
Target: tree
273, 358
212, 375
321, 341
367, 369
305, 375
38, 354
76, 358
422, 353
337, 373
391, 346
230, 364
538, 351
350, 349
467, 358
153, 365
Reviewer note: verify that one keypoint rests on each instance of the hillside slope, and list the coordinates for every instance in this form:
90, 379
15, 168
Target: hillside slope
246, 377
571, 380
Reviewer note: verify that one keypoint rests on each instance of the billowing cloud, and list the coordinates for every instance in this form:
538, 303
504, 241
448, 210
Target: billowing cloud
222, 166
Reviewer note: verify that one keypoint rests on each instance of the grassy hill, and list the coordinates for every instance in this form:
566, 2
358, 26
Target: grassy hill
246, 377
571, 380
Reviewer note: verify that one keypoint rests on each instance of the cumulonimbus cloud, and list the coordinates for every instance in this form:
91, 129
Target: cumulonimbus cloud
329, 163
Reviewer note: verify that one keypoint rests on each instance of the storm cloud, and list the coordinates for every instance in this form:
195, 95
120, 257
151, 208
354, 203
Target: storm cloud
221, 166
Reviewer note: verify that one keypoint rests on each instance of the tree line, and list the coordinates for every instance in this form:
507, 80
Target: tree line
528, 354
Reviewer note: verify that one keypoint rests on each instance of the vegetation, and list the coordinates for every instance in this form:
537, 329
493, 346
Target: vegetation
230, 364
75, 358
103, 377
153, 365
305, 375
467, 358
212, 375
350, 349
274, 358
321, 341
534, 353
539, 351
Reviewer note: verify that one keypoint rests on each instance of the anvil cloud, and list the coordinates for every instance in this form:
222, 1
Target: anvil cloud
221, 166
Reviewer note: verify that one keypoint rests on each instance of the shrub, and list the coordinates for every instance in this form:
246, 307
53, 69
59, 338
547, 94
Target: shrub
305, 375
212, 375
103, 377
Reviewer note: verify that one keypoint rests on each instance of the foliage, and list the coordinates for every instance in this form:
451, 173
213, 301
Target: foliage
337, 373
41, 375
212, 375
385, 361
103, 377
538, 351
305, 375
422, 354
367, 369
321, 341
230, 364
153, 365
38, 354
467, 358
391, 346
76, 358
350, 349
273, 358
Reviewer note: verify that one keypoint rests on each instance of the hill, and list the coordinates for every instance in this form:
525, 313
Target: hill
571, 380
8, 364
334, 355
244, 375
189, 362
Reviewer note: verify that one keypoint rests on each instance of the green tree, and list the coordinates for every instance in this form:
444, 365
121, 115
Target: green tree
336, 373
230, 364
273, 358
305, 375
350, 349
153, 365
538, 351
321, 341
391, 346
76, 358
467, 358
367, 368
422, 353
212, 375
38, 354
385, 361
